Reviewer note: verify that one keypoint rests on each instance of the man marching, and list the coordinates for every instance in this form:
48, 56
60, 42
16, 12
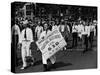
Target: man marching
26, 38
64, 29
85, 35
38, 30
74, 34
52, 58
92, 33
80, 30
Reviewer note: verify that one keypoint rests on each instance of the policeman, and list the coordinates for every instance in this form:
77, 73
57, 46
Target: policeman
52, 58
74, 34
26, 38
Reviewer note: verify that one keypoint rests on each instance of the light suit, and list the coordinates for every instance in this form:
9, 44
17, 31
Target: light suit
25, 49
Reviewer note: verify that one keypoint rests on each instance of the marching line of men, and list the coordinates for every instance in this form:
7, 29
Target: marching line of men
24, 39
85, 32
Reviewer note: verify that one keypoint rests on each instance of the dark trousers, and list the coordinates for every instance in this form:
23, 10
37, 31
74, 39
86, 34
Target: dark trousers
85, 40
14, 48
91, 38
96, 30
74, 43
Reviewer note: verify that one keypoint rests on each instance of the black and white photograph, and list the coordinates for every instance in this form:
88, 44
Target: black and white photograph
49, 37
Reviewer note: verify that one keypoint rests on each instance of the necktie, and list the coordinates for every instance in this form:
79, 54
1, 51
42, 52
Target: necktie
25, 36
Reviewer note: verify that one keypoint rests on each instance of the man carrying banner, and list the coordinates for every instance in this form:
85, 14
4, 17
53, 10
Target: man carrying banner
49, 43
52, 58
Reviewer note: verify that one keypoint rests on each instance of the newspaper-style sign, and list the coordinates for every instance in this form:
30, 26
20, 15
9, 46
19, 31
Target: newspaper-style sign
51, 44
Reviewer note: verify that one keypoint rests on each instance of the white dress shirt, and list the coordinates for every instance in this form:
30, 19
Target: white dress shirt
43, 34
80, 30
74, 28
92, 29
86, 30
38, 30
61, 28
54, 27
29, 35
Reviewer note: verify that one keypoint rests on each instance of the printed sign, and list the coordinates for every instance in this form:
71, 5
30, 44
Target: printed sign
51, 44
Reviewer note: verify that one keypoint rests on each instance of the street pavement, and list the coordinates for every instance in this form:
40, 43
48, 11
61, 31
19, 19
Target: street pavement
70, 59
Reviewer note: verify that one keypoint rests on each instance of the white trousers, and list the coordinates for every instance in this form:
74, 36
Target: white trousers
25, 51
52, 59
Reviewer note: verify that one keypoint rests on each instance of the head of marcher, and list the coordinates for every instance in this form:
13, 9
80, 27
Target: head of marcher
45, 26
62, 22
94, 22
52, 23
25, 23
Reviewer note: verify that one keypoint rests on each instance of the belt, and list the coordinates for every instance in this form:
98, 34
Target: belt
25, 40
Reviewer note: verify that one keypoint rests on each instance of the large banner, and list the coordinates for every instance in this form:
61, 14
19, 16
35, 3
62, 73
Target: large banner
51, 44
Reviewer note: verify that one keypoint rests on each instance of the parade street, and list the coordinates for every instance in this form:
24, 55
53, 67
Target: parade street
70, 59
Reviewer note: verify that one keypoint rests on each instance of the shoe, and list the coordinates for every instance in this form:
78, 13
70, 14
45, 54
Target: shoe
45, 67
53, 66
22, 68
